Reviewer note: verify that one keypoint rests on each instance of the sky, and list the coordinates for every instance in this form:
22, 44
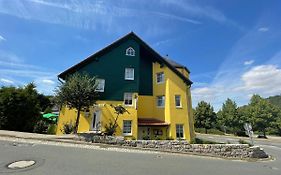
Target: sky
232, 48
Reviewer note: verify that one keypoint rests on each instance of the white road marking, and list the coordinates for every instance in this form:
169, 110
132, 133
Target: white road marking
271, 146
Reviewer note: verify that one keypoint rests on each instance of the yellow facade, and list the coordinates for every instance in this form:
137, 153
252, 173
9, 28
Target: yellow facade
144, 107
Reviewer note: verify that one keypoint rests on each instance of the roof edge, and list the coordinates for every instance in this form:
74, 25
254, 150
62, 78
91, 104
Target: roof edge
63, 74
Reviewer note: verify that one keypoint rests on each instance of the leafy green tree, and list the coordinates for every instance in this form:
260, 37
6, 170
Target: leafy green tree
44, 102
204, 115
278, 124
229, 117
19, 108
78, 92
275, 100
263, 114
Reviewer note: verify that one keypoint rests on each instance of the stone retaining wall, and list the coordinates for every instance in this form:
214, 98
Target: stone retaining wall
238, 151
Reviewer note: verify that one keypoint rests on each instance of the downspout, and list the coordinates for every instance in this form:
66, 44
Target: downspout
60, 80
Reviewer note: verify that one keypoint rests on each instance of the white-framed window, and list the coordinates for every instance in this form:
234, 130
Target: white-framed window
178, 101
179, 131
128, 99
127, 127
161, 101
130, 51
129, 74
100, 86
160, 78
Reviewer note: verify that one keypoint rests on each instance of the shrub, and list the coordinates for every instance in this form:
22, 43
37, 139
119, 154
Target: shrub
41, 127
261, 137
244, 142
68, 128
110, 129
241, 134
145, 137
52, 129
210, 131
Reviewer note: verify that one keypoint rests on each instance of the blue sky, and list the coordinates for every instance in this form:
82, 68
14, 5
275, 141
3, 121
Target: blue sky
232, 48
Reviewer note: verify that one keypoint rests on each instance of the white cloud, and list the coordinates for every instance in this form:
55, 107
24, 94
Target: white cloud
47, 81
46, 85
249, 62
20, 73
204, 93
263, 29
239, 82
263, 79
2, 38
6, 81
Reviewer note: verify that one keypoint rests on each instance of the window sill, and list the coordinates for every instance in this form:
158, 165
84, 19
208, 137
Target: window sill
129, 106
160, 82
180, 138
129, 79
178, 107
160, 107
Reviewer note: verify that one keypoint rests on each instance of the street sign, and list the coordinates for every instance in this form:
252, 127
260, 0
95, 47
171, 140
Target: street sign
249, 131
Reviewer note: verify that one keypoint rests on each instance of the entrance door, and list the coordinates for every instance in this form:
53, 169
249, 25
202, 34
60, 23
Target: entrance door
144, 133
96, 121
141, 132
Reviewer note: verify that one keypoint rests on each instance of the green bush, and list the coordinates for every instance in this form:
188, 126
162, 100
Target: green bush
241, 134
68, 128
244, 142
52, 129
41, 127
210, 131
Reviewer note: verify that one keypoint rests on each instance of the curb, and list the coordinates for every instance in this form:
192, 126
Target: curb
101, 145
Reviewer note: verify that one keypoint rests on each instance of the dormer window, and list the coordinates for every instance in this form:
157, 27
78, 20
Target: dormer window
130, 51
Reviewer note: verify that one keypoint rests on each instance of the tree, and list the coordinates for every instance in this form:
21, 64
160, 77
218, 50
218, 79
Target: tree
78, 92
263, 114
228, 117
19, 108
45, 102
205, 117
118, 110
275, 100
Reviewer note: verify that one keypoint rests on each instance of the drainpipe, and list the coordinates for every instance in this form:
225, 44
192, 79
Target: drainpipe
60, 80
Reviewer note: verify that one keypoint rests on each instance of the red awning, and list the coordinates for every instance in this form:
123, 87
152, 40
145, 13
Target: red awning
151, 122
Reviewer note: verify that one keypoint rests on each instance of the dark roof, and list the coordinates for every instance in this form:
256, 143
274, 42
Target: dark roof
132, 35
175, 64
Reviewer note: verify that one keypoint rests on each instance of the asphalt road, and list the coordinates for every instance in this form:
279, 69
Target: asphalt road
57, 160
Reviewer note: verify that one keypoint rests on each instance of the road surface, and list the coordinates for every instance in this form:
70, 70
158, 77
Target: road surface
57, 160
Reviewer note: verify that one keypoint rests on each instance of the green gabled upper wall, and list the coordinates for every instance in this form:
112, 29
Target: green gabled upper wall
111, 67
110, 63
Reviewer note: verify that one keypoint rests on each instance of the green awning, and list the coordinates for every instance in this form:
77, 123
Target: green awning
51, 116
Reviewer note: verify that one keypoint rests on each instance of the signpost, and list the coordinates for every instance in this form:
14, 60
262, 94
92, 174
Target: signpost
249, 131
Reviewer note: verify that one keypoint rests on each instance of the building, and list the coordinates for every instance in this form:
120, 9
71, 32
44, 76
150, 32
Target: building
155, 91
